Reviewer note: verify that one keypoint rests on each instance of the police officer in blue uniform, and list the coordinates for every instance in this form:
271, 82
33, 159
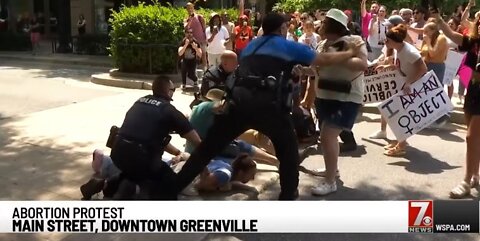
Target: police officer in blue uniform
259, 97
138, 148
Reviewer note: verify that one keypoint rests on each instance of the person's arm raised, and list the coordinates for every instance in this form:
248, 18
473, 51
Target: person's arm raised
452, 35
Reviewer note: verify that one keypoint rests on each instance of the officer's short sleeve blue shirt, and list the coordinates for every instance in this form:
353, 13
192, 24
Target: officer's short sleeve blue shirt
278, 46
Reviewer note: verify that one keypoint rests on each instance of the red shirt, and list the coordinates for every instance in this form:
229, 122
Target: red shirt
242, 36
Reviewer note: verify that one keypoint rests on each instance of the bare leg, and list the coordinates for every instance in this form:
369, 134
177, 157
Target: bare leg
383, 124
473, 150
450, 91
263, 157
331, 150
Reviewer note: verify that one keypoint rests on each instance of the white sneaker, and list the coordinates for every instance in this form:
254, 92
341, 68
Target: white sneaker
324, 189
379, 135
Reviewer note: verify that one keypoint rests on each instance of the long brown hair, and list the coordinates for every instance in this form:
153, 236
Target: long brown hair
473, 33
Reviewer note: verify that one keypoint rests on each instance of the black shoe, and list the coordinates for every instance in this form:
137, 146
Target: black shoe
293, 197
126, 191
92, 187
308, 151
347, 147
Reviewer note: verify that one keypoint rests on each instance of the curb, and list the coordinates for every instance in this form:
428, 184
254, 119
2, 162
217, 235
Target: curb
57, 60
106, 79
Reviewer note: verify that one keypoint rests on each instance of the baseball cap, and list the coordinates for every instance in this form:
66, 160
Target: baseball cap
394, 20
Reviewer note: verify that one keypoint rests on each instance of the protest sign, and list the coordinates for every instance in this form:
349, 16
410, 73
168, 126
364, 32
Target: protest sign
454, 59
408, 114
381, 86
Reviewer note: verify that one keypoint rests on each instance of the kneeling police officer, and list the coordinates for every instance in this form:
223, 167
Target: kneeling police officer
144, 135
259, 97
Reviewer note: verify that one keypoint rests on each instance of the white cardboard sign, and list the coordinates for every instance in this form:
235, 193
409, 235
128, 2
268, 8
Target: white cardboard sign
454, 59
408, 114
381, 86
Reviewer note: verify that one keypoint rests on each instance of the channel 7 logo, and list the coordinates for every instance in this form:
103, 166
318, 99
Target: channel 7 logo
420, 216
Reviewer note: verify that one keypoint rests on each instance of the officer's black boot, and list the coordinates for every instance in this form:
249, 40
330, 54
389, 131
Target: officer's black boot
290, 197
92, 187
126, 190
111, 186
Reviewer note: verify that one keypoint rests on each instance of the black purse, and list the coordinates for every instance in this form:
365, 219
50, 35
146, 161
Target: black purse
342, 86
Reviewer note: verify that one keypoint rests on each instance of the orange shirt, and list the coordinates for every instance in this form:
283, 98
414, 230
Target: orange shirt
242, 36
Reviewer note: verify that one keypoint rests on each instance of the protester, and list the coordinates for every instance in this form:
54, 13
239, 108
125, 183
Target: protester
367, 16
434, 52
217, 36
309, 37
189, 52
354, 27
243, 34
406, 15
376, 35
471, 106
196, 23
336, 108
411, 65
231, 30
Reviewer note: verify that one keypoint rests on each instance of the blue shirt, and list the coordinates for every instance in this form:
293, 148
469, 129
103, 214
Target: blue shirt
280, 47
221, 170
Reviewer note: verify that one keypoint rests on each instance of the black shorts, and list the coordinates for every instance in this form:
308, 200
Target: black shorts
472, 99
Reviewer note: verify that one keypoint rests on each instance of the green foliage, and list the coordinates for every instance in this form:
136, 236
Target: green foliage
144, 38
310, 5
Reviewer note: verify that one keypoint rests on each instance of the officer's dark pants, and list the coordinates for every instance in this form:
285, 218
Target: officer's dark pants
141, 168
189, 68
253, 110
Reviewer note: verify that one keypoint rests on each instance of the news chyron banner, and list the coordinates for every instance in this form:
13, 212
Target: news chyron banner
239, 217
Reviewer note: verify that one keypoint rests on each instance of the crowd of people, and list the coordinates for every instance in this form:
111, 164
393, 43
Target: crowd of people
257, 83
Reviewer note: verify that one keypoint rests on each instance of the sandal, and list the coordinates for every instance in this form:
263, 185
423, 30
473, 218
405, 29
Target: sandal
395, 152
460, 191
475, 181
390, 146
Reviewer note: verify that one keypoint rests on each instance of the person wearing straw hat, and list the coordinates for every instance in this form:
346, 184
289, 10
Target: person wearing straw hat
339, 94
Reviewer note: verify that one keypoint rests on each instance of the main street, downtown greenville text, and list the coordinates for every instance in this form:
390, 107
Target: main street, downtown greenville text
111, 219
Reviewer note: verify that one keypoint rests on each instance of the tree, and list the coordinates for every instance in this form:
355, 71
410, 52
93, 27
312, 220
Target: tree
310, 5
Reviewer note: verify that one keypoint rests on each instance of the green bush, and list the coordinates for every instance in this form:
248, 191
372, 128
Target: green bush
144, 38
10, 41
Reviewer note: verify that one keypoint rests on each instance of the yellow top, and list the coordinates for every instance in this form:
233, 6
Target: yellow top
437, 53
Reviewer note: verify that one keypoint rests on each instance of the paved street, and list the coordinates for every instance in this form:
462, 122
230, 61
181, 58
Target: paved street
51, 119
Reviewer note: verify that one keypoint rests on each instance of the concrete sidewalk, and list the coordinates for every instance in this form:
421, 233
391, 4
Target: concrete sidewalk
46, 57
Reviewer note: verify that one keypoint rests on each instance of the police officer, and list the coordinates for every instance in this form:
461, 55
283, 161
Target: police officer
216, 76
144, 135
259, 99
